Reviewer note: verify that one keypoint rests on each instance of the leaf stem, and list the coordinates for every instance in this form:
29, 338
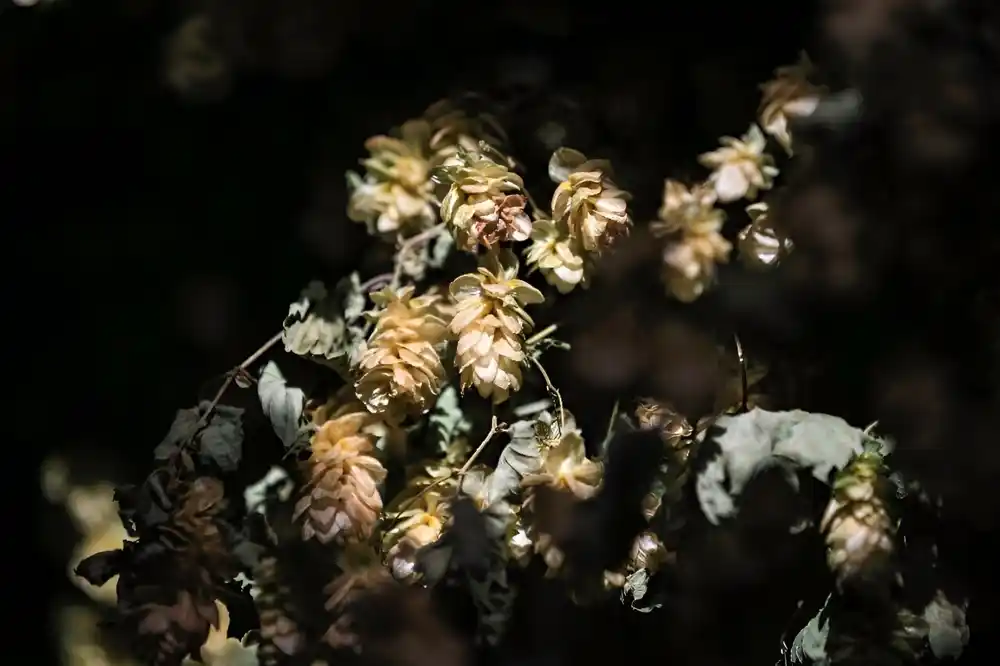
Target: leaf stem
552, 390
494, 429
232, 374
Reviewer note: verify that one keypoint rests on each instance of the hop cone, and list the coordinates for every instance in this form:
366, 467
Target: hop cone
401, 370
485, 202
341, 500
490, 323
280, 635
587, 200
857, 524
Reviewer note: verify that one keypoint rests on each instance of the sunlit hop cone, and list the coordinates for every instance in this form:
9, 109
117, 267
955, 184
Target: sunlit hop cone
401, 371
856, 523
341, 500
693, 226
788, 95
587, 200
419, 524
485, 201
740, 168
760, 244
558, 255
396, 193
490, 323
564, 466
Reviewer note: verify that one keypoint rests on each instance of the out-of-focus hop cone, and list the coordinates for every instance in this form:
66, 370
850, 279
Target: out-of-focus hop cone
194, 66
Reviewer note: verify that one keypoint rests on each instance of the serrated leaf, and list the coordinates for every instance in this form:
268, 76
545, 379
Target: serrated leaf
758, 439
447, 420
282, 404
327, 326
521, 456
809, 645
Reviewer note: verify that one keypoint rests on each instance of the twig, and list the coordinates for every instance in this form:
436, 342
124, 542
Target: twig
409, 244
744, 381
377, 281
541, 335
232, 374
494, 429
552, 390
611, 421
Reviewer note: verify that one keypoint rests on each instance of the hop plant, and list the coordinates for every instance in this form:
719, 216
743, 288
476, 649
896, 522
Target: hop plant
396, 193
856, 522
401, 371
485, 204
454, 130
587, 200
693, 223
740, 168
341, 500
490, 323
417, 526
558, 255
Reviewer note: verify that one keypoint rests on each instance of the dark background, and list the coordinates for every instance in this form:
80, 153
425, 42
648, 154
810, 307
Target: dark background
158, 238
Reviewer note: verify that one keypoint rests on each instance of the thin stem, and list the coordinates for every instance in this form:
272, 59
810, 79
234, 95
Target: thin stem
408, 244
232, 374
541, 335
552, 390
494, 429
744, 381
377, 281
870, 427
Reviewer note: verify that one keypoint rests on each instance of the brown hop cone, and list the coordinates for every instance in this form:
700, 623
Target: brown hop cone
401, 372
856, 522
341, 501
485, 201
490, 323
171, 631
362, 573
195, 526
587, 200
280, 634
563, 467
396, 193
760, 243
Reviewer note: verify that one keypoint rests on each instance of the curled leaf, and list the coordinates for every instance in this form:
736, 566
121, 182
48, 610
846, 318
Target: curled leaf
325, 326
99, 568
758, 439
218, 441
521, 456
282, 404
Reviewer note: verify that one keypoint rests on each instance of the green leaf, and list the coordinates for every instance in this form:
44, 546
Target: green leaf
282, 404
760, 439
809, 645
447, 420
326, 326
521, 456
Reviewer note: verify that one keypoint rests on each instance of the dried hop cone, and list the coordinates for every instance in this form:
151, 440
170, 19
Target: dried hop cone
401, 371
419, 524
740, 168
760, 244
563, 466
593, 208
557, 255
485, 201
788, 95
490, 323
454, 130
857, 524
693, 223
341, 500
396, 194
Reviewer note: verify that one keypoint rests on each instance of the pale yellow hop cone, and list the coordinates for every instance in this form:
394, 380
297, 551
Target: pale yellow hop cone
341, 501
856, 523
419, 524
485, 203
760, 243
453, 129
740, 168
557, 255
396, 194
788, 95
563, 466
689, 218
587, 200
490, 324
401, 371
